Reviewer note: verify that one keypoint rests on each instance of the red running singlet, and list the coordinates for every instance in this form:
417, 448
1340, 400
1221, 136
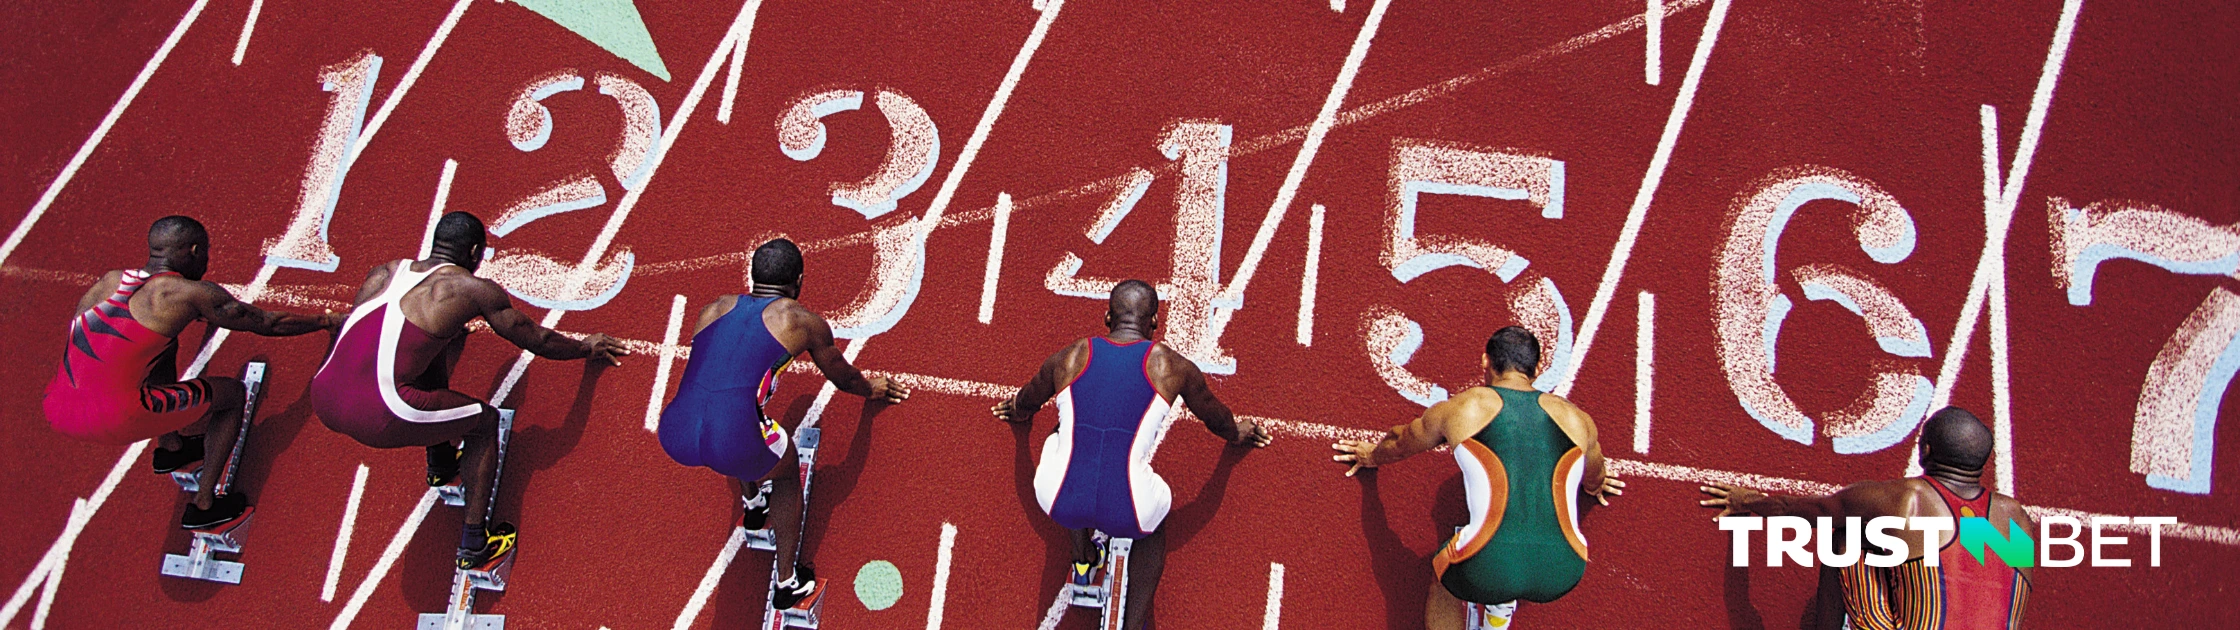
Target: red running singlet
118, 382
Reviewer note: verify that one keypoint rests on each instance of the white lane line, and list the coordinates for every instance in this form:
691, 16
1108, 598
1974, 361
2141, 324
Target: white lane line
435, 210
995, 257
1310, 277
1057, 612
342, 536
1275, 597
1324, 121
1644, 367
1653, 63
1648, 192
738, 63
941, 576
709, 580
824, 395
661, 369
100, 131
987, 124
54, 578
247, 27
50, 565
411, 76
1999, 214
388, 559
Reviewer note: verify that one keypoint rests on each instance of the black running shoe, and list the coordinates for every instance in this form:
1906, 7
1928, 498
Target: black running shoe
166, 460
494, 552
223, 512
791, 593
443, 464
757, 514
1085, 573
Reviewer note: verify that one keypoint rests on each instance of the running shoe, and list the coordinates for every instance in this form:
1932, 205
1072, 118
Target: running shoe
442, 470
224, 512
1085, 573
791, 593
757, 515
494, 552
166, 460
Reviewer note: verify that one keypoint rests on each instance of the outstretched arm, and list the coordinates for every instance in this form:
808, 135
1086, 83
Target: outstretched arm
836, 368
1426, 432
1038, 391
1855, 500
1199, 397
513, 326
212, 303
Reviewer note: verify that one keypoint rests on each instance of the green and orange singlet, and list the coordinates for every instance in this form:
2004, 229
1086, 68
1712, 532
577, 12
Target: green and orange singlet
1520, 476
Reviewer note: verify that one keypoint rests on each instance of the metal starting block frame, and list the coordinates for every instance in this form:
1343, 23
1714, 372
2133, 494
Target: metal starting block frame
459, 613
1110, 593
808, 613
200, 561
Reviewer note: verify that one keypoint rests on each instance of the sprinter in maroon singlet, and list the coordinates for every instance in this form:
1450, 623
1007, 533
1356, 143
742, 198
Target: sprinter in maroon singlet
387, 383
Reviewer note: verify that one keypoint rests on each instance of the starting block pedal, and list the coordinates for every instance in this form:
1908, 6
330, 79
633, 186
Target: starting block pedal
459, 613
1108, 589
805, 614
1478, 616
201, 562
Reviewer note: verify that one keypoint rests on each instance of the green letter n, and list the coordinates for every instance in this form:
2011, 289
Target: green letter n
2018, 551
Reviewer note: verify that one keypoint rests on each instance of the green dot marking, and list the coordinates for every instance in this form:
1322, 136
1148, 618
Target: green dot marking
878, 585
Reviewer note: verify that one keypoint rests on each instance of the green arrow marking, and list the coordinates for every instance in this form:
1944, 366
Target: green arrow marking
611, 24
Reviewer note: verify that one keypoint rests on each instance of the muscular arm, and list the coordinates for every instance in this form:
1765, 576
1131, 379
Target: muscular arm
1040, 389
1426, 432
514, 326
829, 359
1580, 428
1199, 397
212, 303
1865, 499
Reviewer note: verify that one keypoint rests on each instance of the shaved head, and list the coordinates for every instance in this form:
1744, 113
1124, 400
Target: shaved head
1133, 300
1955, 438
176, 230
180, 244
460, 230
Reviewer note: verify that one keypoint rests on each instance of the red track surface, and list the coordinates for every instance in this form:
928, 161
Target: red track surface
616, 535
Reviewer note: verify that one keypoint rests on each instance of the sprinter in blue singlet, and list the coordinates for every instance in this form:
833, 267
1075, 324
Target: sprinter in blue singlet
1118, 395
718, 419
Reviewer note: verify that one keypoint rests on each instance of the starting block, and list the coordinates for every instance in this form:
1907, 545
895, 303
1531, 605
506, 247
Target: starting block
459, 613
807, 613
200, 561
1109, 588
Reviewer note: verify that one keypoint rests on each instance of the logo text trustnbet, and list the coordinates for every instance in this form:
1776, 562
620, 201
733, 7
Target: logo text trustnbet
1791, 535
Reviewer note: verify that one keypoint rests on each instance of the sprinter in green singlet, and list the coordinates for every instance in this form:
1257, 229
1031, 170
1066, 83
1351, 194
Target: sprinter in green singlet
1529, 461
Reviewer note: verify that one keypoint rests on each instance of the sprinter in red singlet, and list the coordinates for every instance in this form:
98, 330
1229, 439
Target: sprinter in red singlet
119, 378
1957, 594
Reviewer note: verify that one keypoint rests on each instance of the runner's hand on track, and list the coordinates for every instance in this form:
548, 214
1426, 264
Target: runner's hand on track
1355, 452
601, 346
1252, 434
1728, 498
333, 320
1611, 487
1003, 411
886, 389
